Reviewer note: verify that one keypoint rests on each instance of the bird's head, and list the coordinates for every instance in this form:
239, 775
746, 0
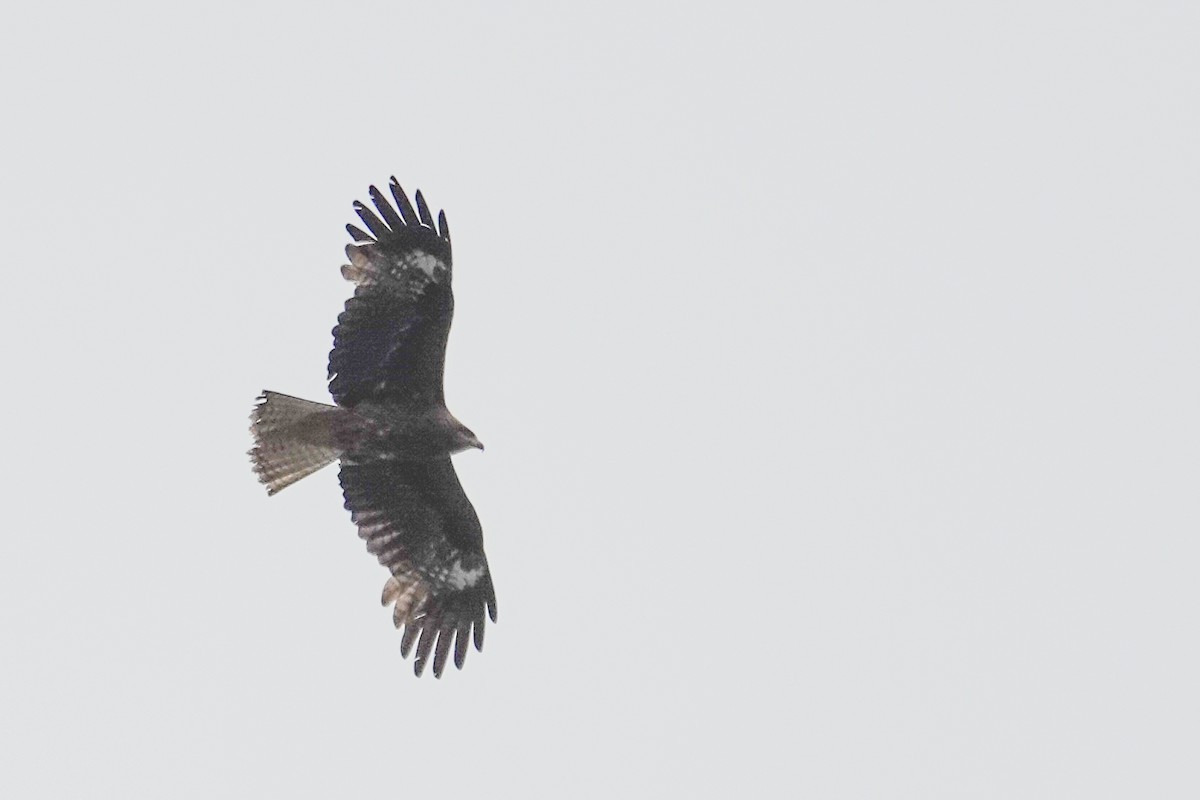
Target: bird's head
467, 439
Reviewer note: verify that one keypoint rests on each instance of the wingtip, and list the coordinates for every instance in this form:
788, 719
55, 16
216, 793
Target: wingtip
407, 640
442, 650
477, 634
407, 212
461, 641
423, 211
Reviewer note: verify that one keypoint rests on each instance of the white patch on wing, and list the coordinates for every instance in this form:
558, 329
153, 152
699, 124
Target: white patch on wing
461, 578
421, 260
369, 265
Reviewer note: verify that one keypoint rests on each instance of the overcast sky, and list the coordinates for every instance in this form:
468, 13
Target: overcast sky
837, 370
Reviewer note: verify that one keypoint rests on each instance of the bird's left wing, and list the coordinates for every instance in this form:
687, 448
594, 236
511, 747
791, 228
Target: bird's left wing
418, 522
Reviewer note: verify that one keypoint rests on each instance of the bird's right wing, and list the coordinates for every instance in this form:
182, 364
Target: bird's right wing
418, 522
390, 342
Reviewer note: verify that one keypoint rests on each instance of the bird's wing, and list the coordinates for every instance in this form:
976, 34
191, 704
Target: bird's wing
418, 522
390, 341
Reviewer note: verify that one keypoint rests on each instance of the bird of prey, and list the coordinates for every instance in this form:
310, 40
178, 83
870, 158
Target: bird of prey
391, 431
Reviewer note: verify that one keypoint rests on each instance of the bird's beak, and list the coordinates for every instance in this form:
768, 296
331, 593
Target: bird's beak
477, 443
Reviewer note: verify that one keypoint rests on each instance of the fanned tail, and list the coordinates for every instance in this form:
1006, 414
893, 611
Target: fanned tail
293, 438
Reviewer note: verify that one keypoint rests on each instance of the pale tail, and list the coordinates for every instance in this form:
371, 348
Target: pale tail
292, 438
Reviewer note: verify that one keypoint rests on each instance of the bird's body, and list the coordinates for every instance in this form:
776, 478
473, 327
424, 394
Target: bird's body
381, 431
392, 432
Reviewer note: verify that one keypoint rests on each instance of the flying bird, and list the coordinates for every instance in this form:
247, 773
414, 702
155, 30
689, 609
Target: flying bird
391, 431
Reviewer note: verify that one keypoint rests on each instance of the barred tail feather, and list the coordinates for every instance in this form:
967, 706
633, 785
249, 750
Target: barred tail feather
293, 438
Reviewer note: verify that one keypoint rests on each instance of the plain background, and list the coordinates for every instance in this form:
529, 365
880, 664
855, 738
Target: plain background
836, 363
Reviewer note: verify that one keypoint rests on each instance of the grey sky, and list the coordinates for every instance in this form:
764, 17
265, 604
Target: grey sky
837, 370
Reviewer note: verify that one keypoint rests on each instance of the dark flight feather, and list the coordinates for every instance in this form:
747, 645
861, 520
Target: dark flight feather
385, 209
406, 209
423, 210
374, 224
